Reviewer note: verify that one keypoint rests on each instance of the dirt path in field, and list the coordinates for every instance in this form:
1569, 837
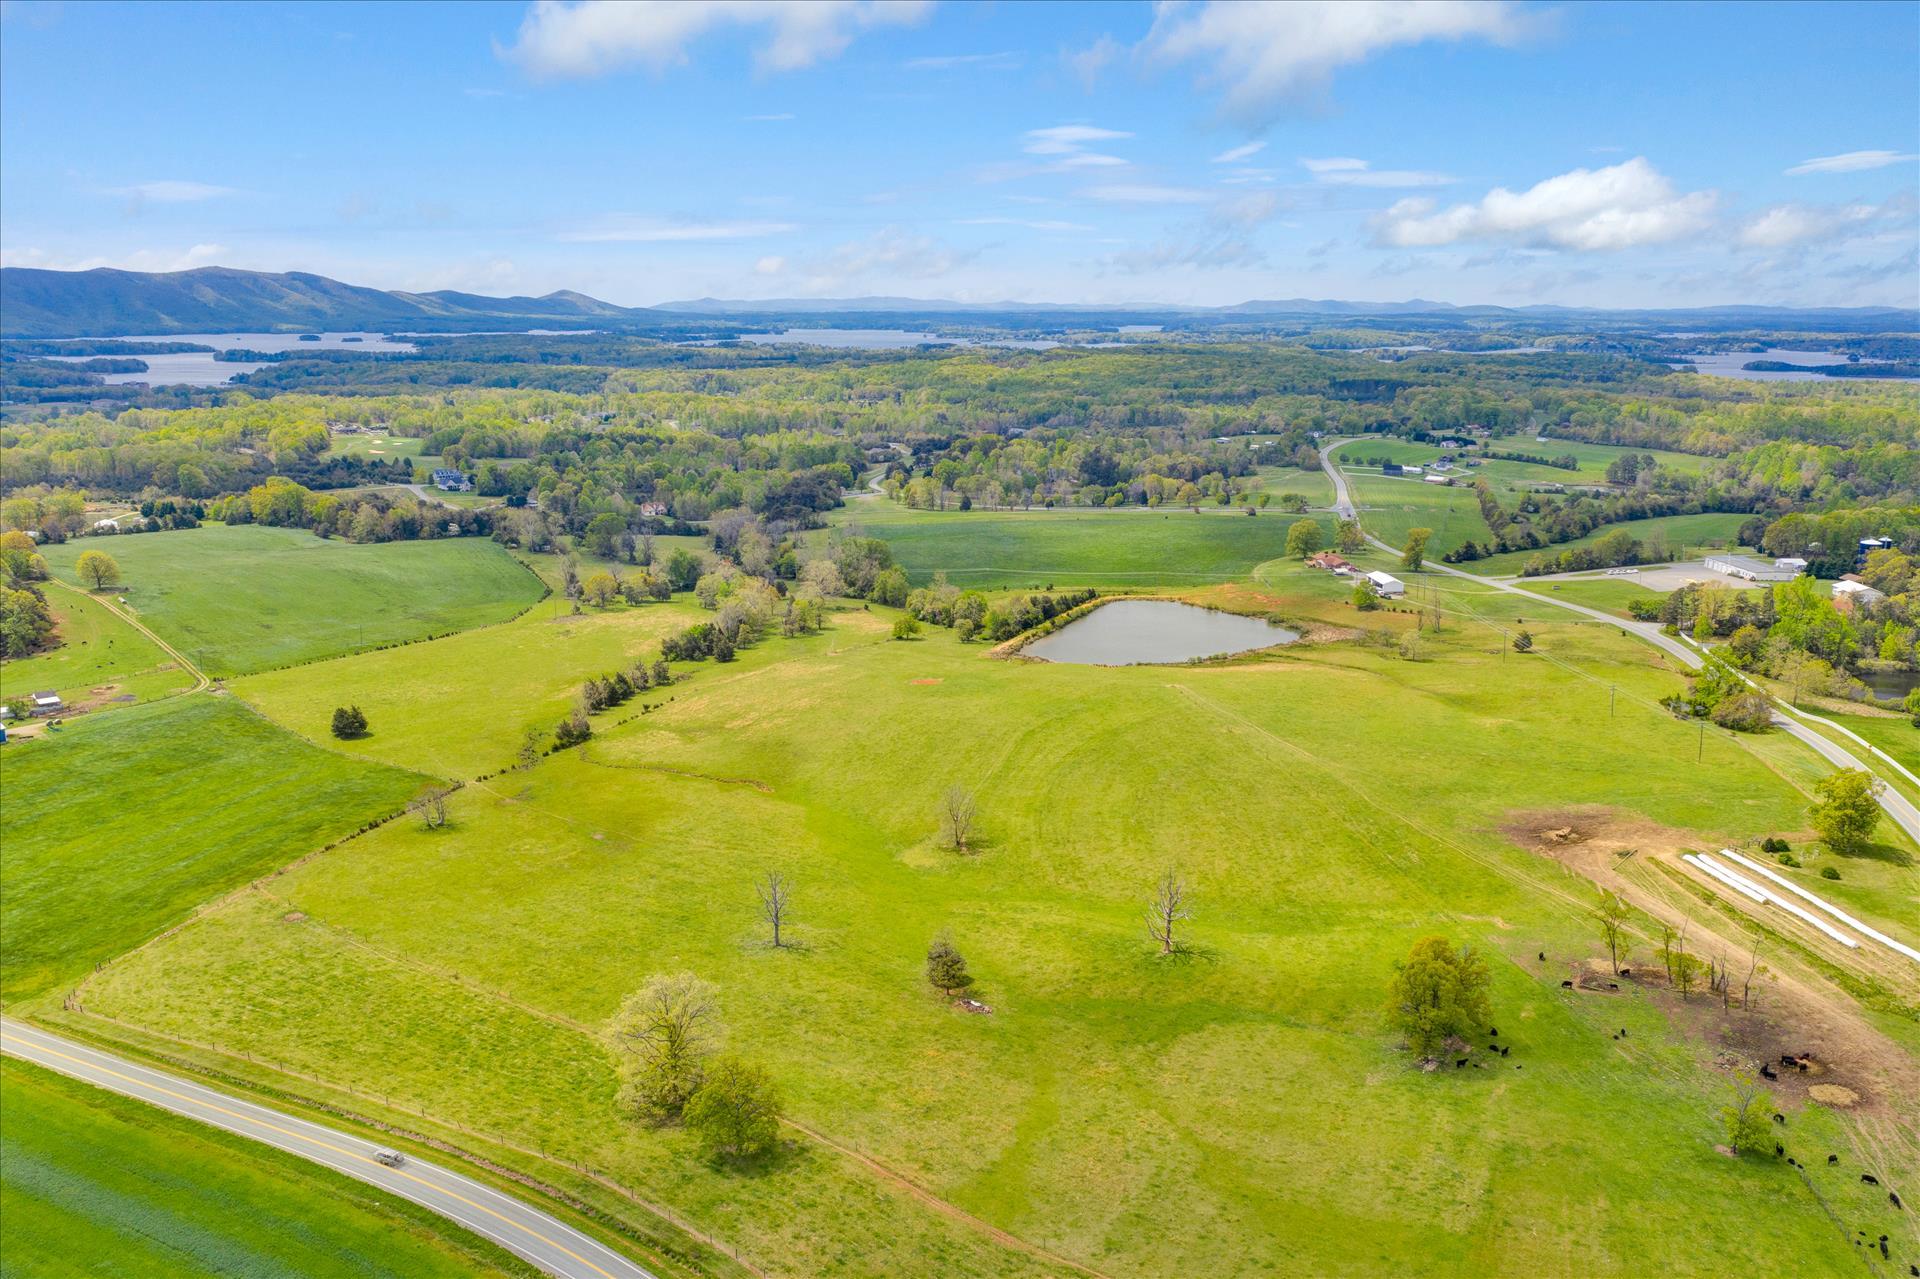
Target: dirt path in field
200, 680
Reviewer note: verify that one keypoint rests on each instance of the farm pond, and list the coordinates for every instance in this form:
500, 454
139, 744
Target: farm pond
1155, 632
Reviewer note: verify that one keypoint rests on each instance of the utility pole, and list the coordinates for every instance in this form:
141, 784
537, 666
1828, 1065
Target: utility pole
1701, 754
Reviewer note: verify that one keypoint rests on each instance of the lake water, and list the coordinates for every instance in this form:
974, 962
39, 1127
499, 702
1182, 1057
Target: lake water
199, 368
884, 339
1731, 364
1890, 686
1155, 632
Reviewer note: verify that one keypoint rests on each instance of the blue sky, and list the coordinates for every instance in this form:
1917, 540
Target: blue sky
1614, 155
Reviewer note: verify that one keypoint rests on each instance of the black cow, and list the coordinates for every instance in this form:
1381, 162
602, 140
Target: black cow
1833, 1159
1494, 1031
1626, 972
1566, 985
1458, 1064
1623, 1032
1766, 1071
1505, 1051
1778, 1150
1779, 1118
1895, 1201
1870, 1179
1613, 985
1543, 956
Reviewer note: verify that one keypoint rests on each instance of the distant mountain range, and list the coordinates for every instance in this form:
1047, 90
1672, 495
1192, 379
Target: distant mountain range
37, 303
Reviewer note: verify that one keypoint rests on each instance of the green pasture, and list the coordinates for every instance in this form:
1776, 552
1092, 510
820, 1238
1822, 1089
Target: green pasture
96, 1184
463, 705
243, 598
118, 825
1129, 546
1593, 458
1684, 536
382, 447
1390, 506
1239, 1109
96, 650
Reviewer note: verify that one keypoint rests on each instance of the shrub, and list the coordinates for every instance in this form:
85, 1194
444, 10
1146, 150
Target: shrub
349, 722
1829, 872
905, 627
946, 969
735, 1111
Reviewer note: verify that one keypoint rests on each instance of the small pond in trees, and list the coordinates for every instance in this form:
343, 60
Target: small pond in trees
1155, 632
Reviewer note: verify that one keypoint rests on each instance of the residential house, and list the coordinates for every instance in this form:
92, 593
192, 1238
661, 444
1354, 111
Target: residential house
451, 481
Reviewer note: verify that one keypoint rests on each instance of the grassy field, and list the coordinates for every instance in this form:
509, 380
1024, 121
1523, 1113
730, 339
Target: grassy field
1685, 537
94, 1184
1389, 507
1241, 1109
384, 447
1594, 459
463, 705
1283, 480
120, 824
99, 658
1032, 549
1609, 593
249, 598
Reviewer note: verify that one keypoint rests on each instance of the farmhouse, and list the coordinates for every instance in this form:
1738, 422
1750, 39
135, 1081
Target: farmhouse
1386, 586
1745, 566
653, 510
1331, 562
452, 481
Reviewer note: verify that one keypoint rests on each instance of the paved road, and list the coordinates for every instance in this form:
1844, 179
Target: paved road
542, 1240
1899, 809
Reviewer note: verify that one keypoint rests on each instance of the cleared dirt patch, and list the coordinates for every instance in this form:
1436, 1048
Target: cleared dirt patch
1833, 1095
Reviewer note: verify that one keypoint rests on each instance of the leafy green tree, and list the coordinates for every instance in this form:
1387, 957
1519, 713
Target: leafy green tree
26, 623
603, 535
1440, 994
946, 968
1523, 642
889, 588
98, 569
600, 589
1415, 553
1746, 1114
1848, 809
1303, 538
1349, 538
735, 1111
683, 569
667, 1027
905, 627
349, 722
1913, 705
1363, 597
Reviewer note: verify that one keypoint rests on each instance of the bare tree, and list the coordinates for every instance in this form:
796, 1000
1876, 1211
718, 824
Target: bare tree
1683, 963
432, 808
775, 890
1167, 909
956, 817
1612, 914
1666, 948
1746, 983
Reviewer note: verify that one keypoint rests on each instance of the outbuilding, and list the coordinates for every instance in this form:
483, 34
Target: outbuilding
1386, 586
1437, 479
47, 703
1752, 570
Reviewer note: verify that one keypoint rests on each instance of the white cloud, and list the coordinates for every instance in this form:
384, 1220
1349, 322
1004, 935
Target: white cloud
1007, 60
890, 254
160, 260
1623, 206
1789, 224
1347, 172
592, 37
172, 192
1068, 139
1262, 55
1146, 193
769, 117
1849, 162
1239, 153
1032, 224
628, 229
1224, 238
1087, 64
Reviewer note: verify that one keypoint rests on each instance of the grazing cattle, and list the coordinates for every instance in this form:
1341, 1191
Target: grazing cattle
1494, 1031
1503, 1052
1778, 1149
1779, 1118
1793, 1163
1883, 1247
1833, 1159
1458, 1064
1623, 1032
1895, 1201
1870, 1179
1566, 985
1626, 972
1543, 956
1766, 1072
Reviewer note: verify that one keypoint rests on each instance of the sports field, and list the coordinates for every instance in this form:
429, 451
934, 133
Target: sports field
93, 1184
249, 598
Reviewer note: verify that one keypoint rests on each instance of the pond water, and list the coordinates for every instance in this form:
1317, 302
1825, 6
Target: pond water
1155, 632
1733, 364
1890, 686
199, 368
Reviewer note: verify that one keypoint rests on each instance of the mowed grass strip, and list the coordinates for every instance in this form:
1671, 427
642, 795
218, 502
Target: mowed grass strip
1238, 1111
249, 598
96, 650
121, 823
93, 1184
1129, 546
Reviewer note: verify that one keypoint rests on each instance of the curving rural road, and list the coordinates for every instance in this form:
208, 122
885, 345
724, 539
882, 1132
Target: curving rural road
1899, 809
521, 1229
